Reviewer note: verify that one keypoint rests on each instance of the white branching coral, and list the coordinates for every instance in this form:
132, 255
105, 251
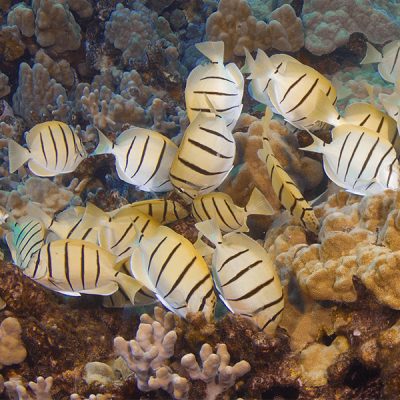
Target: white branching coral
12, 349
40, 389
215, 370
147, 354
235, 25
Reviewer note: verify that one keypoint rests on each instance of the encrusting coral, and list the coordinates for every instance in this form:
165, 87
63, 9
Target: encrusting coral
235, 25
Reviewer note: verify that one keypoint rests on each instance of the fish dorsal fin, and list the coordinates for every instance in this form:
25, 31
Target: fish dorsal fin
34, 132
210, 230
214, 51
95, 217
372, 55
392, 46
36, 212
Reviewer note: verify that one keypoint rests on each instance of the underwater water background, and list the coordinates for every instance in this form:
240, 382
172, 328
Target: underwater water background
130, 129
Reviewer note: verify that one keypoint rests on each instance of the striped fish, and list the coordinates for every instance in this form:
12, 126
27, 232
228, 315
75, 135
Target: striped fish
25, 239
142, 158
226, 213
288, 193
162, 210
72, 267
117, 233
66, 225
292, 88
222, 84
245, 276
205, 157
120, 299
359, 160
388, 61
53, 148
169, 265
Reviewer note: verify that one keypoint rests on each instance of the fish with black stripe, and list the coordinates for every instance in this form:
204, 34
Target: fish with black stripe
226, 213
223, 84
117, 232
72, 267
204, 158
142, 158
388, 61
292, 88
164, 211
285, 189
65, 225
52, 148
245, 276
359, 160
169, 265
25, 239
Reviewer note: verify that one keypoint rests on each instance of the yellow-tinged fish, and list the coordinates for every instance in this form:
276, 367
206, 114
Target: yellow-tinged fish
288, 193
226, 213
117, 233
245, 276
205, 157
66, 225
162, 210
53, 148
169, 265
223, 84
142, 158
292, 87
25, 239
388, 61
120, 299
72, 267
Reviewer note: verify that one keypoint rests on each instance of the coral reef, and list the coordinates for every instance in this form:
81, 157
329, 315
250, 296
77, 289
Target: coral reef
235, 25
12, 350
328, 25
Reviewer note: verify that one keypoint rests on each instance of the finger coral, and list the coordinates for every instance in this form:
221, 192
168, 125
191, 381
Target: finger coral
12, 350
235, 25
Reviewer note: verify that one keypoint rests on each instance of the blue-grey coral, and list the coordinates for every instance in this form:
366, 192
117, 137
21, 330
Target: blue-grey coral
4, 87
22, 16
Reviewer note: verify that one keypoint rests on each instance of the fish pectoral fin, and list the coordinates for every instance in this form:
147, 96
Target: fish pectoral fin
104, 290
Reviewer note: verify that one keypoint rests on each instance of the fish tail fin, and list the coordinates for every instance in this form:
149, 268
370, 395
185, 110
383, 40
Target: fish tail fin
262, 153
370, 90
202, 248
17, 155
264, 65
129, 285
35, 211
257, 68
105, 145
325, 111
210, 230
372, 55
246, 69
258, 204
316, 146
94, 217
214, 51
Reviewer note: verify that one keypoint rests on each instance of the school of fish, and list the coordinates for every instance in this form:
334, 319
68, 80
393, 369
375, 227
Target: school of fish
130, 256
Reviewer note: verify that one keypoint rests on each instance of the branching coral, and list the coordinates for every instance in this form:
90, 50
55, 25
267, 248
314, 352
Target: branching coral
35, 94
55, 26
23, 17
215, 370
235, 25
12, 350
11, 45
40, 389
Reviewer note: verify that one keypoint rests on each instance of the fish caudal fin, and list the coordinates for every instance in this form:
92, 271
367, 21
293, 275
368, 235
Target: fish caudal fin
210, 230
258, 204
105, 145
317, 146
372, 55
36, 212
94, 217
129, 285
17, 155
202, 248
254, 68
214, 51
